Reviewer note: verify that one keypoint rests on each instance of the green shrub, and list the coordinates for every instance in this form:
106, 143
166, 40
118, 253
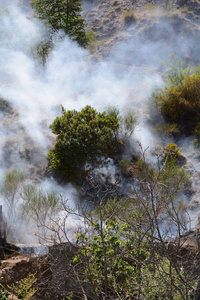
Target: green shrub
180, 104
126, 166
4, 294
177, 71
85, 136
179, 101
172, 154
168, 129
86, 139
172, 150
24, 289
62, 15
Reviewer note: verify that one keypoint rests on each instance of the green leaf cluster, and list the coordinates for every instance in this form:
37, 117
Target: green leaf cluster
177, 71
179, 101
38, 203
133, 266
4, 294
24, 289
121, 258
63, 15
83, 137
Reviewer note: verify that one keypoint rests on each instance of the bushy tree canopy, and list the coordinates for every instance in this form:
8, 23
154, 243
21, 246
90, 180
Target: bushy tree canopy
83, 137
181, 104
179, 101
63, 14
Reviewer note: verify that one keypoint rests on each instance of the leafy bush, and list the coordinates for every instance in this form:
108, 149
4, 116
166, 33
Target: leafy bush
181, 104
39, 204
87, 138
63, 15
10, 191
4, 294
24, 288
171, 150
120, 258
177, 71
179, 101
121, 275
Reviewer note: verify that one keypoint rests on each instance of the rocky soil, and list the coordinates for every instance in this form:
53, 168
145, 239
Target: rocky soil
114, 21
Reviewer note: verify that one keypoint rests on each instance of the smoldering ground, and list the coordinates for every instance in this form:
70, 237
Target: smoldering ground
71, 78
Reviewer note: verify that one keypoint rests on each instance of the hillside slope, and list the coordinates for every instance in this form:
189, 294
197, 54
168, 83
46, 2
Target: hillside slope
172, 24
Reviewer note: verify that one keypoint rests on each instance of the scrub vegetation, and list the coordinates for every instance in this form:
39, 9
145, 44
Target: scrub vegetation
179, 101
87, 139
120, 245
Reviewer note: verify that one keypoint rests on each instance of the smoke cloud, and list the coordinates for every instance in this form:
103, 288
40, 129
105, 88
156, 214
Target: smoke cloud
72, 79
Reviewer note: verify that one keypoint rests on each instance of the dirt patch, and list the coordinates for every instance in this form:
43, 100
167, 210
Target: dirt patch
18, 268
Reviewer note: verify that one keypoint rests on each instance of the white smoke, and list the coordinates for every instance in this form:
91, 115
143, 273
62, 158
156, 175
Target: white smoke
69, 78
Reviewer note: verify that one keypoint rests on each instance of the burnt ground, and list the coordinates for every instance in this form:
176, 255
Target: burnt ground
50, 268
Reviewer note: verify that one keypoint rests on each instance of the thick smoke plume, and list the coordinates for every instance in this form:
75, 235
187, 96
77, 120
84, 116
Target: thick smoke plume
69, 78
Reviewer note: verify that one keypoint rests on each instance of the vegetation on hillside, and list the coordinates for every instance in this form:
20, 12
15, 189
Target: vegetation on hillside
121, 252
179, 101
64, 15
23, 289
86, 139
126, 247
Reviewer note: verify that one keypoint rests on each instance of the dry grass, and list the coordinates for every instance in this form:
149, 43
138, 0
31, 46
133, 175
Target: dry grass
150, 6
98, 42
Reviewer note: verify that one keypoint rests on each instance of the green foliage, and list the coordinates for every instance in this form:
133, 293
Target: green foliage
43, 49
63, 15
177, 71
121, 254
172, 151
129, 122
39, 204
24, 289
181, 104
10, 190
121, 258
197, 134
172, 173
158, 283
124, 165
115, 2
13, 180
150, 7
168, 129
173, 177
4, 294
124, 252
84, 137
